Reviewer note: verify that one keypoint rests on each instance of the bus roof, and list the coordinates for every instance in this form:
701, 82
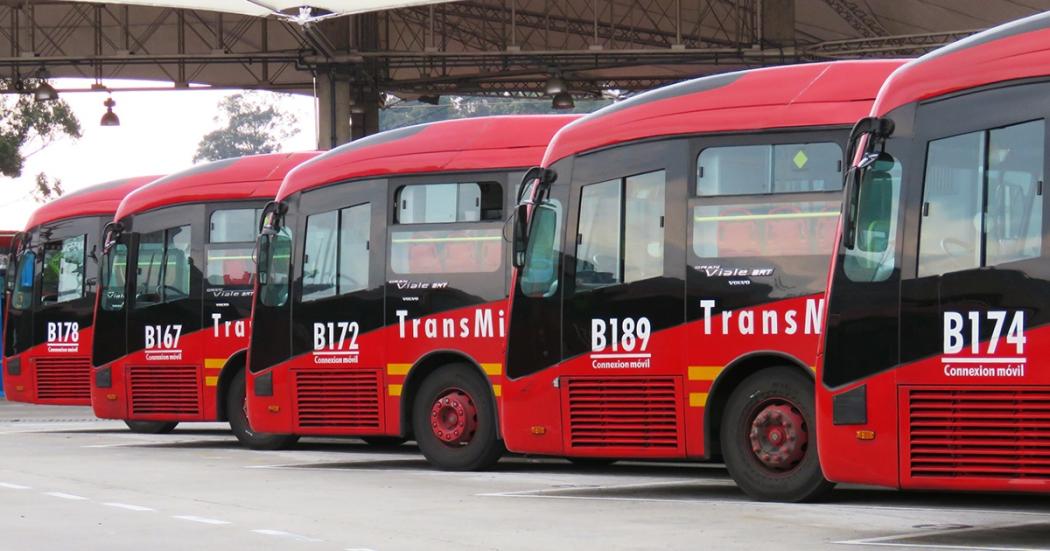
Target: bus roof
1016, 50
99, 199
481, 143
251, 177
814, 94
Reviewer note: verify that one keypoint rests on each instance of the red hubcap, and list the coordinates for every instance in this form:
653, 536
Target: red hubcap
454, 418
779, 436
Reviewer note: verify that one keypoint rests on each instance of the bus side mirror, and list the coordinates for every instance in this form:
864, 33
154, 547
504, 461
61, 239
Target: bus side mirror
262, 257
870, 204
521, 231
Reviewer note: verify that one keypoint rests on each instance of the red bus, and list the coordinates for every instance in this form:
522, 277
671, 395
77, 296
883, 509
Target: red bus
671, 282
7, 239
48, 329
932, 370
389, 321
171, 332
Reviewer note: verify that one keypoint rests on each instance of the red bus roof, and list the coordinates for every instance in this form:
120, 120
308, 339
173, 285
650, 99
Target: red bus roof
482, 143
1008, 52
99, 199
252, 177
814, 94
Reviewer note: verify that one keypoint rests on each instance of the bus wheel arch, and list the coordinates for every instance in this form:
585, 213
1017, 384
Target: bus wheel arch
728, 380
235, 363
423, 368
232, 379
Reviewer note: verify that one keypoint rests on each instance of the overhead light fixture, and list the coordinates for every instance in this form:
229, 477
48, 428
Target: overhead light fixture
44, 91
555, 85
109, 118
563, 101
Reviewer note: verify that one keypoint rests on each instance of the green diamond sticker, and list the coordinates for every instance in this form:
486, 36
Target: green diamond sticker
800, 159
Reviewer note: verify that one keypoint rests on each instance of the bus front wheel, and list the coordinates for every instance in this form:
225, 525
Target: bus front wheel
454, 420
150, 427
768, 437
237, 413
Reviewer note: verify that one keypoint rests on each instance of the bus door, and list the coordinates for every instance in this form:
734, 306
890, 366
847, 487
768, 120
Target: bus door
338, 309
165, 315
981, 278
228, 283
622, 385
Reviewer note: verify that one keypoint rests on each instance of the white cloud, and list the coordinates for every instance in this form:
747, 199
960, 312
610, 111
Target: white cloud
158, 134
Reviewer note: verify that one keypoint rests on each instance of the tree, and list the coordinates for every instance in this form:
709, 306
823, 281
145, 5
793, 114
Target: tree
252, 123
27, 127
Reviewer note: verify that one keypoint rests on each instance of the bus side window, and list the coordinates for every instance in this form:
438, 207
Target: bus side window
231, 240
436, 250
319, 256
1014, 225
163, 267
982, 201
613, 248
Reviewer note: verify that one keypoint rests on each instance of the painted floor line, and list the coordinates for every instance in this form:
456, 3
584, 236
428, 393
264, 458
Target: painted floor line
63, 495
201, 520
889, 541
936, 546
554, 493
590, 498
128, 507
11, 486
286, 535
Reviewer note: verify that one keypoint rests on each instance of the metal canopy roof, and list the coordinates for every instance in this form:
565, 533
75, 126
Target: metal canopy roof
263, 8
416, 48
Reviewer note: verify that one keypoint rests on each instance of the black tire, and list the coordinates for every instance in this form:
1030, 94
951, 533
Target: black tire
797, 480
591, 462
384, 441
484, 448
238, 418
150, 427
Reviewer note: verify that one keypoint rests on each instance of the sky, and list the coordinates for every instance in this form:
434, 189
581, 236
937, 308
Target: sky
158, 134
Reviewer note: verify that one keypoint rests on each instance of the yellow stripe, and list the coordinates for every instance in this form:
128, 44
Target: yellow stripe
394, 390
697, 399
211, 380
492, 370
813, 368
214, 363
704, 372
398, 369
497, 390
